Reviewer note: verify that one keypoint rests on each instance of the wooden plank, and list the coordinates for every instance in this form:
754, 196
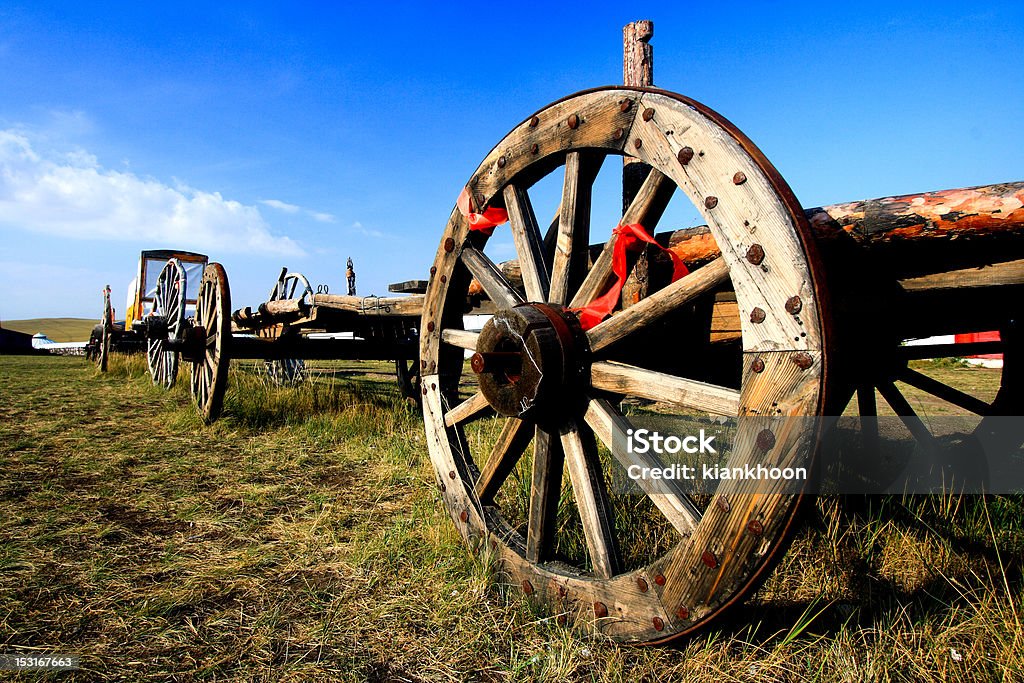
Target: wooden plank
408, 287
658, 304
620, 378
463, 339
988, 275
411, 305
592, 502
513, 440
573, 226
489, 276
545, 491
646, 207
610, 427
472, 406
528, 241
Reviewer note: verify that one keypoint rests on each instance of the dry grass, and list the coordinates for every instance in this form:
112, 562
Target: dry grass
300, 538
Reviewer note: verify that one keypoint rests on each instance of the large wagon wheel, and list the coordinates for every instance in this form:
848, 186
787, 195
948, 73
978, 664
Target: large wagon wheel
556, 385
285, 370
213, 332
106, 332
169, 314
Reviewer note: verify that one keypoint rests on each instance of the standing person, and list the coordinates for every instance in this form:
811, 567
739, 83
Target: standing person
350, 275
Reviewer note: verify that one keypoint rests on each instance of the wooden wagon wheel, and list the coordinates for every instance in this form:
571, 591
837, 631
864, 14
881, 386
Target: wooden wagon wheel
556, 385
169, 314
285, 370
213, 333
107, 332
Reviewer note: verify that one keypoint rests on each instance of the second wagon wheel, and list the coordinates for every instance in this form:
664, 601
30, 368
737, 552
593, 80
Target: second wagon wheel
213, 337
169, 315
285, 370
641, 568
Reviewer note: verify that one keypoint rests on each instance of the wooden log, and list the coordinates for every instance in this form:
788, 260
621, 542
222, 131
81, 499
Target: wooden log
959, 229
371, 305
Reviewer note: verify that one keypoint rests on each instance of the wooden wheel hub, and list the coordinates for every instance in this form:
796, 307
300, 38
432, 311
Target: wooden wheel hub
528, 360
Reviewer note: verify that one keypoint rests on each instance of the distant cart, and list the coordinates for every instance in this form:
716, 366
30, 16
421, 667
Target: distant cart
151, 295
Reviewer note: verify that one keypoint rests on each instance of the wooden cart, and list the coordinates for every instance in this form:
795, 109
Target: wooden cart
768, 311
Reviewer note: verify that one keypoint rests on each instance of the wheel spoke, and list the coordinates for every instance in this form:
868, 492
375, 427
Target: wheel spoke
945, 392
490, 278
645, 209
463, 339
868, 417
573, 223
630, 380
902, 408
545, 490
471, 407
611, 426
664, 301
514, 438
529, 245
592, 501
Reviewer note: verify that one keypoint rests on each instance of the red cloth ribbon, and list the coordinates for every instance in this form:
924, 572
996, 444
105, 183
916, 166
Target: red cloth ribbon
630, 237
484, 222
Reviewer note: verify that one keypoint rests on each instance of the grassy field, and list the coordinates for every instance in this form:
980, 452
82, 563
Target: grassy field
301, 537
57, 329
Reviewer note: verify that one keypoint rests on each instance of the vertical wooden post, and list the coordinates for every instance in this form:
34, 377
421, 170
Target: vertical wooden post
637, 71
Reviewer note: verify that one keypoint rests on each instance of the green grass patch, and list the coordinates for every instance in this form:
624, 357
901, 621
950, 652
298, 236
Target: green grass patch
301, 537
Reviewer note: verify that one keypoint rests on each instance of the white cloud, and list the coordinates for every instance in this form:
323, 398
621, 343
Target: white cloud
280, 206
73, 196
295, 208
368, 232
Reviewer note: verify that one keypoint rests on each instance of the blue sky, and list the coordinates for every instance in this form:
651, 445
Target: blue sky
267, 135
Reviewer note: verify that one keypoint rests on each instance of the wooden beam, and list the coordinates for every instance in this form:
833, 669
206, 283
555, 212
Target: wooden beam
620, 378
489, 276
512, 441
610, 427
658, 304
545, 491
464, 339
528, 241
592, 501
648, 205
472, 406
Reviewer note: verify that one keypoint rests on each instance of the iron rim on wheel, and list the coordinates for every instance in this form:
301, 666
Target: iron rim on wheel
557, 392
212, 330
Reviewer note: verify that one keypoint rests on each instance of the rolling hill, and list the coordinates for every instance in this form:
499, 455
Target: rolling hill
57, 329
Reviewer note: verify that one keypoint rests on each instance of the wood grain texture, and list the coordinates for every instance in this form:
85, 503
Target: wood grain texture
688, 394
657, 305
529, 243
646, 208
611, 427
592, 501
514, 438
469, 408
490, 277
